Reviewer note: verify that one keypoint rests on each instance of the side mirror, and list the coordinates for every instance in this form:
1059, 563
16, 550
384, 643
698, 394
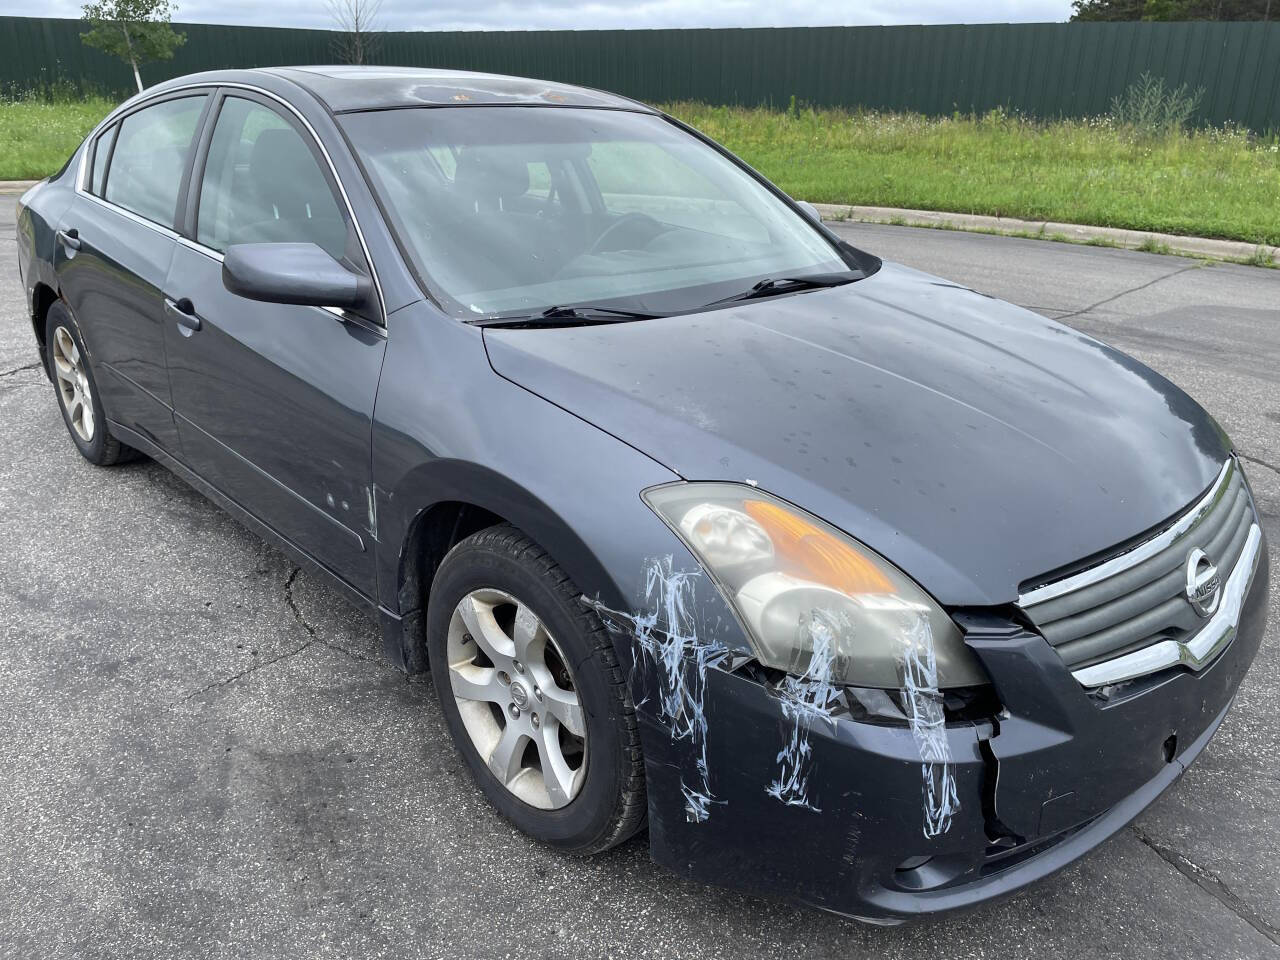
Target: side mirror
810, 210
296, 273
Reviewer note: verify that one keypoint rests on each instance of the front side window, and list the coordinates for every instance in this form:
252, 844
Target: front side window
510, 210
150, 156
263, 184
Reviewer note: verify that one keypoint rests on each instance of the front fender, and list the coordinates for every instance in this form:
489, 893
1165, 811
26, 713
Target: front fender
449, 429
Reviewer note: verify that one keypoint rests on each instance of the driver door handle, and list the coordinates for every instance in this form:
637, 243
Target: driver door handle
184, 312
70, 238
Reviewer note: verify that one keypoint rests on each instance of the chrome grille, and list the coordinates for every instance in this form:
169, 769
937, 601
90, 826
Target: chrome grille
1137, 599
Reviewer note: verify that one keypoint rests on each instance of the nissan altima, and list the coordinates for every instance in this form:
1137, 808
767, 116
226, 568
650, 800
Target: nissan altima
851, 584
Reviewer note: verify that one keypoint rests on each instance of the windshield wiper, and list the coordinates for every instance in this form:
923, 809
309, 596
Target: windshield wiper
772, 286
568, 315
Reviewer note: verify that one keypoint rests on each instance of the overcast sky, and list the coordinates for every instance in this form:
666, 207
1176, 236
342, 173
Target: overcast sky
596, 14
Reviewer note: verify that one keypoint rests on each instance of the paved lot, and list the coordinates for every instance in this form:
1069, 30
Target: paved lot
203, 755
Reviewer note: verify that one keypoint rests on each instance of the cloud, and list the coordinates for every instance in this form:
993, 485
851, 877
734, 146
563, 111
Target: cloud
600, 14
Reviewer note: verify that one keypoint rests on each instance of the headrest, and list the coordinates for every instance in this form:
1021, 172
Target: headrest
284, 173
486, 179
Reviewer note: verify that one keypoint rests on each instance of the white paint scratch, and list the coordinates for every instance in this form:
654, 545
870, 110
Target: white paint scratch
667, 636
806, 699
928, 727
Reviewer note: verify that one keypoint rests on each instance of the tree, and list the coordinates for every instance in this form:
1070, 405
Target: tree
1106, 10
1158, 10
357, 24
136, 31
1171, 10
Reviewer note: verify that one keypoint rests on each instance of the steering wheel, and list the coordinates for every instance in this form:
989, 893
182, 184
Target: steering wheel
650, 226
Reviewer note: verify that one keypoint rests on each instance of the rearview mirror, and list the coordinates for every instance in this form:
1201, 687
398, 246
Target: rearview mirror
296, 273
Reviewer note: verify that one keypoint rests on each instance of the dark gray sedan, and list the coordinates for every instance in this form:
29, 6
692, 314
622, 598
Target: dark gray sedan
853, 585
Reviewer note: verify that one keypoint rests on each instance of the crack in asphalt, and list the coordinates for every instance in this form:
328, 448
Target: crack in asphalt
1210, 883
1262, 463
313, 639
244, 673
293, 604
1125, 293
16, 370
311, 631
1041, 309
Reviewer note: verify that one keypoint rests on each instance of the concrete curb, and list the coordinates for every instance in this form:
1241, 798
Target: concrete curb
15, 187
1051, 230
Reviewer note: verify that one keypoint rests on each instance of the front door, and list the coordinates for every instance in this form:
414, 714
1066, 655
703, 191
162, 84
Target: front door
274, 402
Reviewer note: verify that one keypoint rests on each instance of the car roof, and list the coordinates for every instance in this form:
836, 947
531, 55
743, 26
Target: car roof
348, 88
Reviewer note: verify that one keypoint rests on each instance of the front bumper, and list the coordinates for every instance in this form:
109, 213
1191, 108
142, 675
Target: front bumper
1057, 773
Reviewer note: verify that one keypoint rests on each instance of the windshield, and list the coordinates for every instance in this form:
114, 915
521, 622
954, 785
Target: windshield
507, 211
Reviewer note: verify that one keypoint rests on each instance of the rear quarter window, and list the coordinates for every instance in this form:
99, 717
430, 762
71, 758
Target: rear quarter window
101, 154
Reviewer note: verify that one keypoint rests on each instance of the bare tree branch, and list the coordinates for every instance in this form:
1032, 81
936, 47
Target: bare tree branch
357, 24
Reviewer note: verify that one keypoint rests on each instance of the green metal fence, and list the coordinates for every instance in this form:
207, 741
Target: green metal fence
1041, 69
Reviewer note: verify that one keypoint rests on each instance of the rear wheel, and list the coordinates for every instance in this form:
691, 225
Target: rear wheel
78, 392
533, 694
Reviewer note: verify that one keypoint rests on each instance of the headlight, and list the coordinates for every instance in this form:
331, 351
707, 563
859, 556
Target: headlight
784, 571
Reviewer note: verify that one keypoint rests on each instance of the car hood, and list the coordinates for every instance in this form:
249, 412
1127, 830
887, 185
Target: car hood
975, 444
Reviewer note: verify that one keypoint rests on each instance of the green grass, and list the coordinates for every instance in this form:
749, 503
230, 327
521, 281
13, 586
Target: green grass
36, 136
1215, 183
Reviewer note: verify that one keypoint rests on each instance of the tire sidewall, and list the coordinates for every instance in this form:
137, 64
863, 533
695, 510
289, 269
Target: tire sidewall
93, 450
472, 566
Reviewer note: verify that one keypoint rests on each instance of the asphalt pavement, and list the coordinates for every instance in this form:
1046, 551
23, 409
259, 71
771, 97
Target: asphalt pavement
204, 755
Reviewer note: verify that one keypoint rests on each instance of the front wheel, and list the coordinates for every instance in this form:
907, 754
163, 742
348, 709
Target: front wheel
533, 695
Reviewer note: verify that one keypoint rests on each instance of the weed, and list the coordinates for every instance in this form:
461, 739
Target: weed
1149, 109
1150, 244
1261, 257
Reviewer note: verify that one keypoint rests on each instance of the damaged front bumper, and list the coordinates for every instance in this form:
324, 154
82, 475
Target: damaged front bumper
1053, 773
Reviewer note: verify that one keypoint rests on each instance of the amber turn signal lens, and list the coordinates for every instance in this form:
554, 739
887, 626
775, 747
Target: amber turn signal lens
811, 553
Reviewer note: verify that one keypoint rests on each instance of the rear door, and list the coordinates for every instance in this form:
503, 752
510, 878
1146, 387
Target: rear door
274, 402
115, 246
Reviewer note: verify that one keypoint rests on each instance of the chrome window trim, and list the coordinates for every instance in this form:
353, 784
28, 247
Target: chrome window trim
1201, 649
209, 252
213, 87
1143, 551
130, 215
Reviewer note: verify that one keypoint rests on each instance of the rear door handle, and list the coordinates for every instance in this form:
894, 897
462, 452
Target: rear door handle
184, 312
70, 238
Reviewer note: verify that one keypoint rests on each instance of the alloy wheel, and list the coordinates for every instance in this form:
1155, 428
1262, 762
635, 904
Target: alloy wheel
517, 698
73, 384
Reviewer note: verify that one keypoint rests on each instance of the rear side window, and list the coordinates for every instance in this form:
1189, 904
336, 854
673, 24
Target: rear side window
150, 156
263, 184
102, 153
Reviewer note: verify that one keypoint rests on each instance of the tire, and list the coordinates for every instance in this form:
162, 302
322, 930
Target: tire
91, 435
505, 577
